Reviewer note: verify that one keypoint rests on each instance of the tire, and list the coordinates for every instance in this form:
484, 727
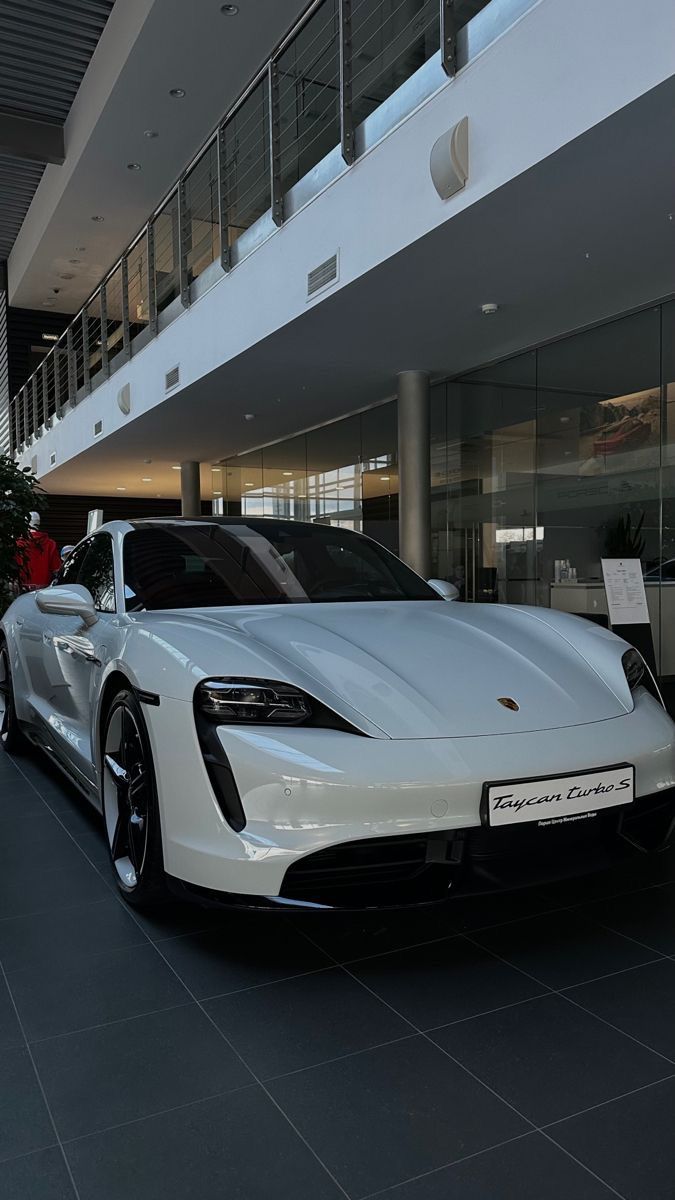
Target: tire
11, 737
130, 806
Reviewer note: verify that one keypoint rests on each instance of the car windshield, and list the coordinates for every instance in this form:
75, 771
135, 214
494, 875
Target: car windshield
205, 565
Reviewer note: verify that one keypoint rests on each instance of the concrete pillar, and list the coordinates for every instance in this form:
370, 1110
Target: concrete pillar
414, 470
190, 490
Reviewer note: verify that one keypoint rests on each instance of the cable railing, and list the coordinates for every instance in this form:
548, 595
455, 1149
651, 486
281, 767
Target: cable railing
341, 61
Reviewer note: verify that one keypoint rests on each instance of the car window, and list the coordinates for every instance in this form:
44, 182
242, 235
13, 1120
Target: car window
71, 568
206, 565
98, 572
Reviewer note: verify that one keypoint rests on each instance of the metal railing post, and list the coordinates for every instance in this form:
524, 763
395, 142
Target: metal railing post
58, 351
275, 143
225, 252
183, 245
346, 115
45, 397
448, 38
34, 399
85, 351
152, 295
126, 328
17, 424
105, 361
72, 370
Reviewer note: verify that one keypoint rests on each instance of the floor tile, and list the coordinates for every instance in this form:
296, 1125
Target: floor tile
66, 934
10, 1030
386, 1115
496, 908
176, 917
24, 1120
629, 1143
299, 1022
633, 875
26, 888
232, 1148
550, 1059
444, 981
347, 936
135, 1068
639, 1002
80, 817
240, 954
564, 948
18, 798
108, 987
39, 1176
39, 839
648, 916
530, 1168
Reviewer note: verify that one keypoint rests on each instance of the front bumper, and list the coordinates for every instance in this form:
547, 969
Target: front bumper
312, 792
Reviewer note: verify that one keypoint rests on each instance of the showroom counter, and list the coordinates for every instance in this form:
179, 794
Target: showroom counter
590, 599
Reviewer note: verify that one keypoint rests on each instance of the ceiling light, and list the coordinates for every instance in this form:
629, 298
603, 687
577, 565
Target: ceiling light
150, 133
133, 166
67, 275
385, 478
286, 472
75, 261
229, 10
80, 249
177, 93
217, 493
98, 218
489, 310
249, 416
146, 479
175, 468
248, 485
50, 337
564, 420
48, 303
120, 489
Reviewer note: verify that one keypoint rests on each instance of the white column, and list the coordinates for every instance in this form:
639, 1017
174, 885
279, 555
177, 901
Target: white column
414, 469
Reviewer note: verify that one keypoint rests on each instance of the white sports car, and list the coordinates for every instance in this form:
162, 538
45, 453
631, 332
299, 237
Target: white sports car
272, 712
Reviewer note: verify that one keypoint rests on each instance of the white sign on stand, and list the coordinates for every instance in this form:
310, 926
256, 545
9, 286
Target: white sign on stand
625, 588
94, 519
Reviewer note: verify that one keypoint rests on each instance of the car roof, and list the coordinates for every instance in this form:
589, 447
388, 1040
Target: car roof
149, 522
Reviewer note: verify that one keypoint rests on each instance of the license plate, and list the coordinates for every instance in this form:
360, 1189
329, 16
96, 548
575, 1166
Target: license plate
558, 799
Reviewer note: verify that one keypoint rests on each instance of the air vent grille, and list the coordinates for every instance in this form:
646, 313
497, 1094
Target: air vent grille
98, 428
323, 275
171, 378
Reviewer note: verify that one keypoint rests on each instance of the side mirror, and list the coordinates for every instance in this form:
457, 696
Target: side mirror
447, 591
71, 601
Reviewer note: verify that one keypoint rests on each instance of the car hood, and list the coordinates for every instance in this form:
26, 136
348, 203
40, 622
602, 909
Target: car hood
425, 669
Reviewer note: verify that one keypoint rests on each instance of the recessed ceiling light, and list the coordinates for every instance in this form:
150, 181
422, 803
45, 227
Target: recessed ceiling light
74, 261
98, 218
48, 303
67, 275
150, 133
50, 337
80, 249
249, 416
385, 478
489, 310
248, 485
146, 479
120, 489
177, 93
133, 166
175, 468
229, 10
217, 493
564, 420
286, 472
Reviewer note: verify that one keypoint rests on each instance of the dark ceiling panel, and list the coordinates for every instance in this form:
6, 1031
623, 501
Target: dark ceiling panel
45, 49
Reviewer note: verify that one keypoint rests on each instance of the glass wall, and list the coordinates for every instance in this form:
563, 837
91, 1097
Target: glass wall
341, 474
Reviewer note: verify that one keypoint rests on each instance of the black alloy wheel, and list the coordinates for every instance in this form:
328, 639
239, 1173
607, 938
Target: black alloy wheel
130, 808
11, 737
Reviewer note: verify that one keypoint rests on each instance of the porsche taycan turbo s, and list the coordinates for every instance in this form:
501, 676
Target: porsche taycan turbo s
271, 713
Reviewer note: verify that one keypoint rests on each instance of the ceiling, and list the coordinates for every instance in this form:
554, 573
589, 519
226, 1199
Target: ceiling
150, 48
577, 238
45, 49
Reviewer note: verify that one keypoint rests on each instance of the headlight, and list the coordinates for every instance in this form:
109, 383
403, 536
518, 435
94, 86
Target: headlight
252, 702
634, 668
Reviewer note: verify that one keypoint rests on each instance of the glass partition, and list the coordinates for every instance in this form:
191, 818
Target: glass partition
114, 332
246, 172
309, 95
391, 39
201, 228
167, 273
93, 329
138, 287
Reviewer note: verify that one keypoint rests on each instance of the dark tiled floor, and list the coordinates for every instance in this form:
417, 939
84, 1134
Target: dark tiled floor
514, 1048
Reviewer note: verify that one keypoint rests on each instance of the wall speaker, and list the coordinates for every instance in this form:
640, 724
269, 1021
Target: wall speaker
124, 399
449, 162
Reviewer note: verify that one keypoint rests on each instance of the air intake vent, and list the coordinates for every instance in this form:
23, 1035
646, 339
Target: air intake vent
171, 378
52, 458
98, 428
322, 276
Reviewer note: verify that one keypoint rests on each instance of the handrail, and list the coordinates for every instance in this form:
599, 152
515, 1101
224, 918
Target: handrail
427, 28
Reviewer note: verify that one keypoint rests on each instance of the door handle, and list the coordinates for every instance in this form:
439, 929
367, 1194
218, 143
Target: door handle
19, 620
77, 652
